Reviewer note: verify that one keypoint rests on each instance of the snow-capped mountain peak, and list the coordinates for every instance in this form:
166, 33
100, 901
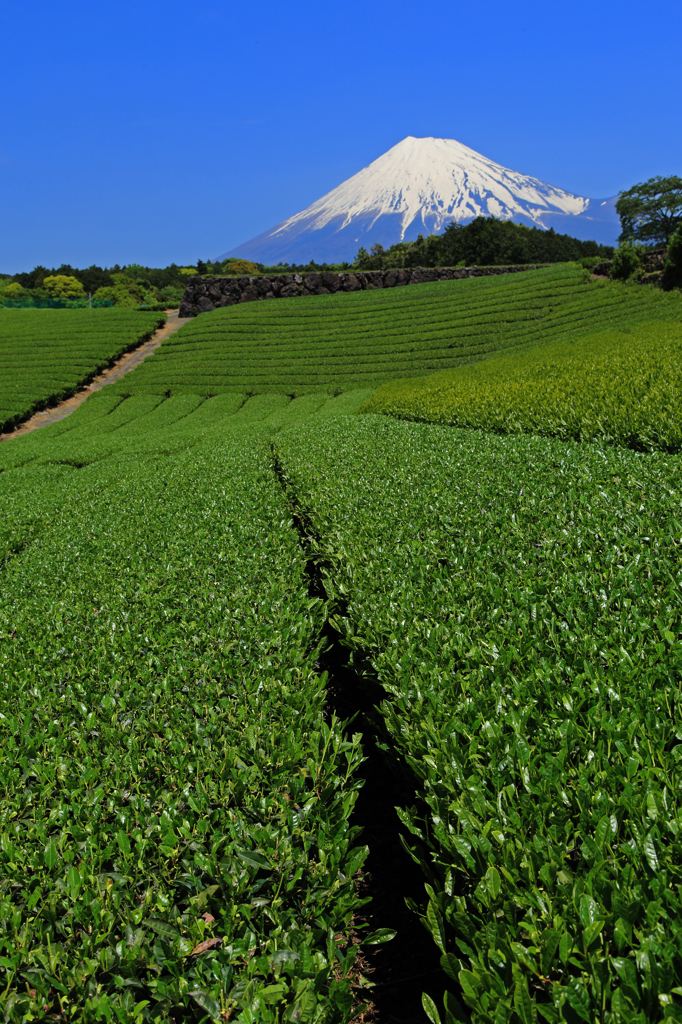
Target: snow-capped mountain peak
419, 186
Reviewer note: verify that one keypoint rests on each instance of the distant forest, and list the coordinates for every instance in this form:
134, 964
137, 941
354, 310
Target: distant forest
95, 277
131, 286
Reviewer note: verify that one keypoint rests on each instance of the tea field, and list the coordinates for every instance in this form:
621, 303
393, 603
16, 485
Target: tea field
337, 342
177, 840
47, 354
175, 833
620, 386
520, 602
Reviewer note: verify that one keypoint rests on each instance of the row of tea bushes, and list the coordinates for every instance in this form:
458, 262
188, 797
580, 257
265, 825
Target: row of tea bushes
174, 837
47, 354
110, 424
620, 386
338, 342
520, 602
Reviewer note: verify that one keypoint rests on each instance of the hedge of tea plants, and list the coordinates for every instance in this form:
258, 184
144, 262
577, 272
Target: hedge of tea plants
47, 354
174, 836
337, 342
110, 425
519, 600
620, 386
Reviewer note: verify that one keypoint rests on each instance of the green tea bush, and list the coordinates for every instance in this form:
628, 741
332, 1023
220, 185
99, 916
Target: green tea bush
519, 599
174, 839
622, 387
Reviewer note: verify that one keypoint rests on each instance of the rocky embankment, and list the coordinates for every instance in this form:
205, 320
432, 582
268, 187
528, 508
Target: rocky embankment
204, 294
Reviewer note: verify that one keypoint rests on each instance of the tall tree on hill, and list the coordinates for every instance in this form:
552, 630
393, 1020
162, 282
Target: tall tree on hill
651, 211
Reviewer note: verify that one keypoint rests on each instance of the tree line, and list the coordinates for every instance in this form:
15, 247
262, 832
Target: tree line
128, 286
484, 241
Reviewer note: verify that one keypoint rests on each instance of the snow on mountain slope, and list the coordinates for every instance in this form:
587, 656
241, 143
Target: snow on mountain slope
418, 187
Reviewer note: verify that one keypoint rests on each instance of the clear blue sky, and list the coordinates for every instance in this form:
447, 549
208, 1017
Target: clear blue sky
154, 132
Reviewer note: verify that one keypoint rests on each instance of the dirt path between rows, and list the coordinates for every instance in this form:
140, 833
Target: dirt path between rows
122, 366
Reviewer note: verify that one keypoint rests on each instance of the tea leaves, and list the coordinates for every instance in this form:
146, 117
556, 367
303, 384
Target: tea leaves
520, 602
616, 387
175, 837
174, 831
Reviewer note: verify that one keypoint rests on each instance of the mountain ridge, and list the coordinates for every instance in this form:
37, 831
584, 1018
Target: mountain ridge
417, 187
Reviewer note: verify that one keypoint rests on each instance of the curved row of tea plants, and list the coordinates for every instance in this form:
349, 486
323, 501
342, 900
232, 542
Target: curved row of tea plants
47, 354
520, 602
622, 387
110, 425
174, 837
337, 342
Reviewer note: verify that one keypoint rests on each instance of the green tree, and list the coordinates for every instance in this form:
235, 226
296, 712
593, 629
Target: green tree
672, 269
651, 211
626, 260
372, 260
13, 290
362, 260
134, 271
126, 292
171, 295
62, 286
119, 295
236, 266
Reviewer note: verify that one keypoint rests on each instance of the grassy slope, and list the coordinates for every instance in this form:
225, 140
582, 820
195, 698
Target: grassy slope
338, 342
621, 386
46, 354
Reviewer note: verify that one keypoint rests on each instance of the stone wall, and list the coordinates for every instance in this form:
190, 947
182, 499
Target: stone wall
204, 294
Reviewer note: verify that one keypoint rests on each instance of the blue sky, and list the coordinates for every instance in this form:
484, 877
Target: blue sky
154, 132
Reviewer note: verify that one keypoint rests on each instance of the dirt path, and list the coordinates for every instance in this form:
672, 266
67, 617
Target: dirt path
124, 365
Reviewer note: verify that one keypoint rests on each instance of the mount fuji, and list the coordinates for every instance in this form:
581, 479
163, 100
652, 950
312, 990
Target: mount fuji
418, 187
